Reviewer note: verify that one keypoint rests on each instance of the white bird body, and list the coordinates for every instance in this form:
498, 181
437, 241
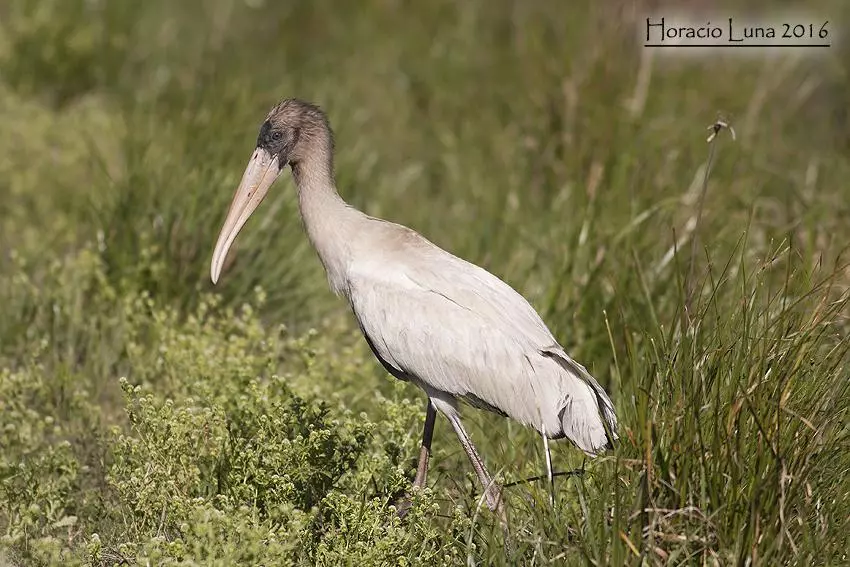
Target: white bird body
447, 325
458, 331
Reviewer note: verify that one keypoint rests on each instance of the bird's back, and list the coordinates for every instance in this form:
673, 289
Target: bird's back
454, 328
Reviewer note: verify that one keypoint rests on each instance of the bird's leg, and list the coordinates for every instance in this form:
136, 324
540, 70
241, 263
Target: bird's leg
424, 456
492, 490
549, 475
425, 449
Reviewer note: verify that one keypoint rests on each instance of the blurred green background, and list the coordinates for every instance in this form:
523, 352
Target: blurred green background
147, 417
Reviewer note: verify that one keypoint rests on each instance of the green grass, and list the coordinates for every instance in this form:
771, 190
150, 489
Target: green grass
147, 417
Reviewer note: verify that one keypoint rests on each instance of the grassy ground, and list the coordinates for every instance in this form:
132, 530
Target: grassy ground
149, 418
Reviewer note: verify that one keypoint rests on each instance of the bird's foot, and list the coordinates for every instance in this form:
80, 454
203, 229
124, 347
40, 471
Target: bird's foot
404, 503
402, 506
493, 495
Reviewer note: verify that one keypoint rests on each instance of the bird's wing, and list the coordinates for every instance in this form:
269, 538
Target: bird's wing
459, 329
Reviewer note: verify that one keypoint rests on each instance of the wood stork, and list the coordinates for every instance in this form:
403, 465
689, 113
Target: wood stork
431, 318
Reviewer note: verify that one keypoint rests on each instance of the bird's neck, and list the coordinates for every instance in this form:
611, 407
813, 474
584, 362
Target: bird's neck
328, 219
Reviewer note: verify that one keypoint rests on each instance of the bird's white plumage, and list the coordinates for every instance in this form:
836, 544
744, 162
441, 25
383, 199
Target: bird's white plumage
455, 328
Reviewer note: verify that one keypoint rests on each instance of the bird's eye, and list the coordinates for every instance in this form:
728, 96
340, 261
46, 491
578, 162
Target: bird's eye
276, 136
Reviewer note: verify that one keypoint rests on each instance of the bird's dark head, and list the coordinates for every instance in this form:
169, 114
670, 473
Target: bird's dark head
293, 132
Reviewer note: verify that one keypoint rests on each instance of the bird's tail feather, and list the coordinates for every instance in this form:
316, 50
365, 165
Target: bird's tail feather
599, 435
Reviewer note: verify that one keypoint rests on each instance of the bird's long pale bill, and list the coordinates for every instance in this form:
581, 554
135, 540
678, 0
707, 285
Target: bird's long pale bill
261, 172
